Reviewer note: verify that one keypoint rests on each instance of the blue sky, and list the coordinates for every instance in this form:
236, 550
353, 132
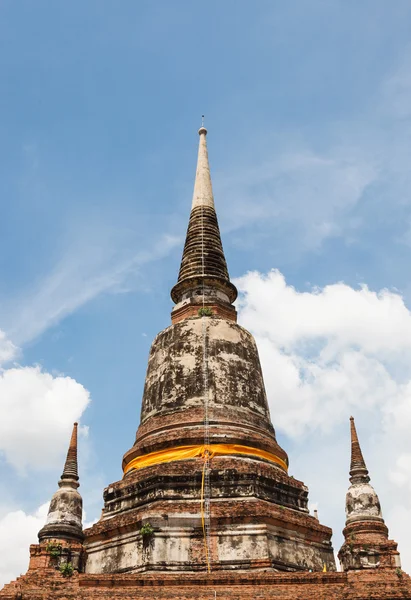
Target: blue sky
308, 110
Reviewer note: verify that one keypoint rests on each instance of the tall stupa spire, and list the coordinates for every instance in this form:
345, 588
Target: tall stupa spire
203, 276
64, 519
205, 457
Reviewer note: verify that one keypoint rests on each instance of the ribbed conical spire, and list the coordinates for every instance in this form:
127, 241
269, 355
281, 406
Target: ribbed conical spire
64, 519
366, 544
203, 261
358, 469
362, 501
70, 470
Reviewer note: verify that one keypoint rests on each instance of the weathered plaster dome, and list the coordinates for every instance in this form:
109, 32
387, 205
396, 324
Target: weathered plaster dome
362, 503
64, 519
173, 400
175, 377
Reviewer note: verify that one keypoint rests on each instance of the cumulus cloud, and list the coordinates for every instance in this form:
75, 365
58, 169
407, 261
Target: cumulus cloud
399, 522
17, 531
327, 353
400, 475
37, 412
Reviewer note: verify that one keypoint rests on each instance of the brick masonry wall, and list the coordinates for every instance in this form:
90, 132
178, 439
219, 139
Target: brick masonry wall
48, 584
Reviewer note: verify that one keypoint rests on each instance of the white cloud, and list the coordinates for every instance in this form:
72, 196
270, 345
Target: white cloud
398, 520
17, 531
37, 412
402, 470
8, 350
328, 353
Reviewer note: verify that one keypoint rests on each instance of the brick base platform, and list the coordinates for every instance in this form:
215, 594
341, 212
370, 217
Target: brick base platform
354, 585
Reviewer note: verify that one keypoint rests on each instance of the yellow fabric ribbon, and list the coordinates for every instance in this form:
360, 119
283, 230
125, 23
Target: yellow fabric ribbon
206, 453
185, 452
203, 517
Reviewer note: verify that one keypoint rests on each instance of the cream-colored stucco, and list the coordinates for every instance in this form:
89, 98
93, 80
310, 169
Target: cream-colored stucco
203, 189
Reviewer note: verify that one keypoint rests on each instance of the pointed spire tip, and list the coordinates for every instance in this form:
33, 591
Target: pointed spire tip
70, 470
202, 128
358, 469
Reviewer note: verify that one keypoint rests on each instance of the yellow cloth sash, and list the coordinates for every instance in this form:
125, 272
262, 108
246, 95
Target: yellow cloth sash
203, 523
184, 452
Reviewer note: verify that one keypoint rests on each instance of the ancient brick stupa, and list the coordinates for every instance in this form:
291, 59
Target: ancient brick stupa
205, 508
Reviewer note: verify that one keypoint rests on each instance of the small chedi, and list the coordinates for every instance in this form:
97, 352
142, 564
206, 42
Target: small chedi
205, 508
366, 536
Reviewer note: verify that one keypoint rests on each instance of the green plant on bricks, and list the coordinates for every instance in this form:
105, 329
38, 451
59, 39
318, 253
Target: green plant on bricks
147, 530
53, 549
66, 569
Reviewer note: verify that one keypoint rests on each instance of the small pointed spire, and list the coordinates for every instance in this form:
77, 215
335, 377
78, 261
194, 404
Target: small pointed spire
64, 519
362, 501
203, 262
366, 542
358, 469
70, 470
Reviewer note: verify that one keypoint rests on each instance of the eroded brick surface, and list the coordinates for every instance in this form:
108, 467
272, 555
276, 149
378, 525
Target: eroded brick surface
48, 584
